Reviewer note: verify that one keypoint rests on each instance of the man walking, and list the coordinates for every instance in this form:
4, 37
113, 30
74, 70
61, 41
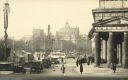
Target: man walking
63, 69
114, 67
114, 61
81, 68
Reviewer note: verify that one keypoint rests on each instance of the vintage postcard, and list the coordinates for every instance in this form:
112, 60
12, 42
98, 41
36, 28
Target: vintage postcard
63, 39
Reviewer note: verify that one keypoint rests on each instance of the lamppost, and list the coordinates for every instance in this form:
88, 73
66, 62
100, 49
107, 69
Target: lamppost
6, 12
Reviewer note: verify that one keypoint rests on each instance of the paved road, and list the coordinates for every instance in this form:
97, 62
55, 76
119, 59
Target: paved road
49, 74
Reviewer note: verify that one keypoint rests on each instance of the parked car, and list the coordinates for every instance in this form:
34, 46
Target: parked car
6, 68
19, 69
46, 63
35, 67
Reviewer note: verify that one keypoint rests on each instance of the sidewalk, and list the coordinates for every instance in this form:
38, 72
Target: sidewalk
102, 71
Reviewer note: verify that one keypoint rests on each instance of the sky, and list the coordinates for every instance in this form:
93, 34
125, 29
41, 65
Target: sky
28, 14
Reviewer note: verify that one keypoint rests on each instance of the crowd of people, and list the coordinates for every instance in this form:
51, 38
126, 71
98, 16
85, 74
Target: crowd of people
89, 60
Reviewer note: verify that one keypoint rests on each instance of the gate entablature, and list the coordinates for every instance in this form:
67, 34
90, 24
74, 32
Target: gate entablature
105, 14
114, 24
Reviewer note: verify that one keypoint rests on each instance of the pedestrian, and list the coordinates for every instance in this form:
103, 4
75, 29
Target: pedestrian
88, 61
114, 61
114, 67
63, 69
62, 60
77, 63
81, 68
53, 67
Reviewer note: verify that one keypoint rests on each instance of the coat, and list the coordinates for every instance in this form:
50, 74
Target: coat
81, 68
63, 69
114, 66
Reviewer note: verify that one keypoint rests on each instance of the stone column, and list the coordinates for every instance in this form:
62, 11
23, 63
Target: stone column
110, 48
125, 50
97, 49
120, 53
106, 50
104, 47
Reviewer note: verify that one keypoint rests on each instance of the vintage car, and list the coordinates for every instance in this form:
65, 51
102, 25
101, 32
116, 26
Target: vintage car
19, 69
35, 66
6, 68
46, 63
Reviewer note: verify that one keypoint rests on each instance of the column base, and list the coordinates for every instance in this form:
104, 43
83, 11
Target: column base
96, 65
109, 66
120, 64
126, 67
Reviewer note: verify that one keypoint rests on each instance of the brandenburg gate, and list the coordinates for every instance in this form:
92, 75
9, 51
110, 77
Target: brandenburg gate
110, 32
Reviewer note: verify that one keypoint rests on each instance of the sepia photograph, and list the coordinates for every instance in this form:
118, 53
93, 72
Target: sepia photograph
63, 39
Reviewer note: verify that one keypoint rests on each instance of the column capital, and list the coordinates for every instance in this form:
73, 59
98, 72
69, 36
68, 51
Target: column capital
96, 36
125, 32
96, 33
111, 33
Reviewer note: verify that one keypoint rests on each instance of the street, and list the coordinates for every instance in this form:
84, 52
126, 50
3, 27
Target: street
70, 74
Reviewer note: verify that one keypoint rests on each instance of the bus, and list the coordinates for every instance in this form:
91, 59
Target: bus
57, 55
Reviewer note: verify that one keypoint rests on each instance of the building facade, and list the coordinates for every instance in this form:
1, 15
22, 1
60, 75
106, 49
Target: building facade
38, 39
66, 33
110, 32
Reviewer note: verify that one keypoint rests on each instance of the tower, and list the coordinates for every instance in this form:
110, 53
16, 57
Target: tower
48, 30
